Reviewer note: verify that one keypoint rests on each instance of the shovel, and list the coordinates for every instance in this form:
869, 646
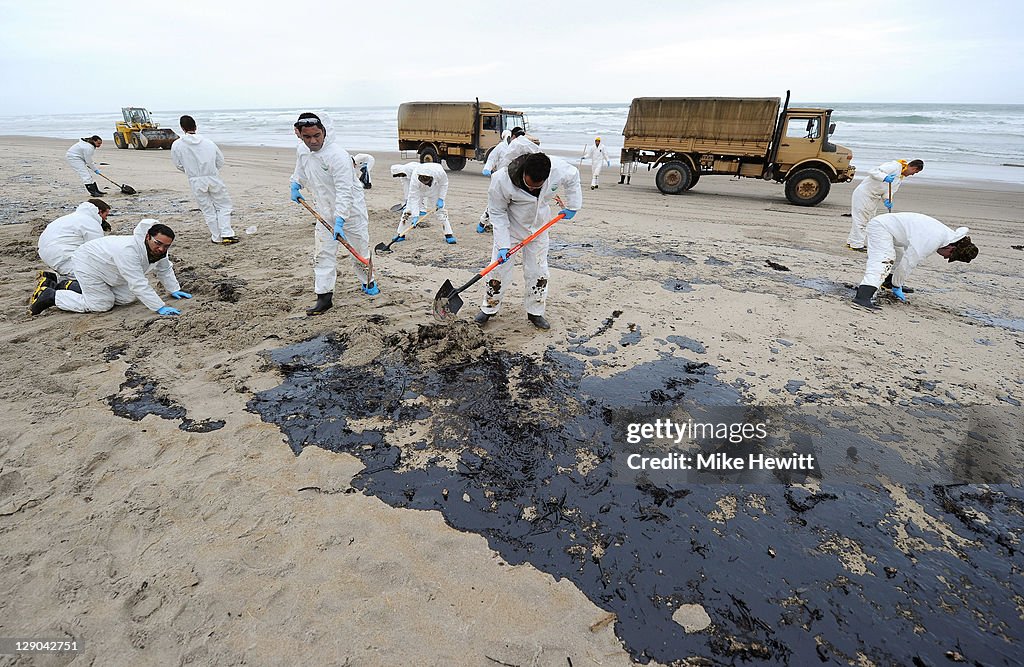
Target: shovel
447, 301
398, 207
386, 247
126, 189
362, 260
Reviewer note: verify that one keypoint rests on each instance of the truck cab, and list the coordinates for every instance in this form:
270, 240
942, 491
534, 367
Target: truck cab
803, 145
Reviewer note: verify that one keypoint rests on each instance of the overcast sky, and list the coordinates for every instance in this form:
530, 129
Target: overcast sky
228, 54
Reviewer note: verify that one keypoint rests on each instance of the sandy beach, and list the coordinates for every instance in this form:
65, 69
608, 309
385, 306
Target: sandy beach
153, 544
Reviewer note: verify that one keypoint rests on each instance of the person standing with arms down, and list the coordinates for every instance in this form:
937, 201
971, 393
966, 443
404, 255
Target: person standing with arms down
898, 242
201, 160
323, 166
598, 156
427, 184
878, 187
112, 271
518, 203
80, 157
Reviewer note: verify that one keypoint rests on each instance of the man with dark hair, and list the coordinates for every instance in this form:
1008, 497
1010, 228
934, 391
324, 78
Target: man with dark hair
518, 200
112, 271
80, 157
879, 186
327, 170
201, 160
66, 234
898, 242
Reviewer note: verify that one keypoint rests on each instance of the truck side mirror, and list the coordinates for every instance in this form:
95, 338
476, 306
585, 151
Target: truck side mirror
831, 128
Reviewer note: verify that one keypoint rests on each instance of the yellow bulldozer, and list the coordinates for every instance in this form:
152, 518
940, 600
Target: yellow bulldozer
138, 131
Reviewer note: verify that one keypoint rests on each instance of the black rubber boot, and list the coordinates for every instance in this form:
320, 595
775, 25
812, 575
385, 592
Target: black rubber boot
94, 190
42, 301
70, 285
888, 285
539, 321
323, 304
481, 318
863, 298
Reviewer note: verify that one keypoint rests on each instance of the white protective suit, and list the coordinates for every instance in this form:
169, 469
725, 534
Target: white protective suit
598, 156
364, 167
871, 192
421, 197
112, 270
499, 150
201, 160
898, 242
404, 172
329, 179
66, 234
80, 158
516, 214
519, 146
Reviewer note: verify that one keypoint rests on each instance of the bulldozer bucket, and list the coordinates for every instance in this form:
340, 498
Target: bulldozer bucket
159, 138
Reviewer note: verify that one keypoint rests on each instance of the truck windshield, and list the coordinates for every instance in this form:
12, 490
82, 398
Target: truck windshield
803, 127
510, 120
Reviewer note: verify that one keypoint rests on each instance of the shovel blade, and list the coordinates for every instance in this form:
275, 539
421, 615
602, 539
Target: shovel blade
447, 302
128, 190
382, 247
398, 207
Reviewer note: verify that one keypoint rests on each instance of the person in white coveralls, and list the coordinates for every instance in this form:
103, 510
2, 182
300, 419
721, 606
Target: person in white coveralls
428, 186
518, 200
598, 156
898, 242
80, 158
66, 234
327, 170
878, 187
201, 160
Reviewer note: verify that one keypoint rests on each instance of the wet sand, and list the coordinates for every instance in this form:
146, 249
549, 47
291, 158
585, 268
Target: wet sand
161, 544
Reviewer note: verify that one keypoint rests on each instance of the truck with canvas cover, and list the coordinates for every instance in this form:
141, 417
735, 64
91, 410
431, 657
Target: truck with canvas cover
138, 130
454, 131
685, 138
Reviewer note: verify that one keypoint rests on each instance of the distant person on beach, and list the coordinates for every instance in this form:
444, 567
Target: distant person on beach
112, 271
404, 173
490, 166
201, 160
898, 242
598, 156
428, 185
323, 166
518, 200
68, 233
879, 186
364, 167
80, 157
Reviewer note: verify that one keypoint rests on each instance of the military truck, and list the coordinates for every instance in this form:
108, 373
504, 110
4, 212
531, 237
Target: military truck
685, 138
454, 131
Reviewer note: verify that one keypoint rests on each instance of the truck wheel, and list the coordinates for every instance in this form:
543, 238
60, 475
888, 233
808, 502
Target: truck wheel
694, 177
429, 154
673, 178
136, 141
455, 162
807, 187
119, 140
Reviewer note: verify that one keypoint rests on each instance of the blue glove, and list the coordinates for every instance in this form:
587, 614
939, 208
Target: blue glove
888, 204
339, 224
487, 172
568, 213
889, 179
295, 192
440, 203
422, 213
96, 171
415, 220
607, 163
898, 293
502, 255
181, 295
167, 310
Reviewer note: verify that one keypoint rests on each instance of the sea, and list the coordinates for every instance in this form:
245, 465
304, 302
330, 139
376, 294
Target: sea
958, 142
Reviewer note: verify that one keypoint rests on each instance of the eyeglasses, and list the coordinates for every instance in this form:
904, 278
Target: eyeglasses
307, 122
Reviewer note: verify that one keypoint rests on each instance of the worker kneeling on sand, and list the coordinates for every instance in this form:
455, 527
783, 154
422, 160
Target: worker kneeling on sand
66, 234
518, 203
322, 165
427, 184
112, 271
201, 160
898, 242
80, 157
878, 187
